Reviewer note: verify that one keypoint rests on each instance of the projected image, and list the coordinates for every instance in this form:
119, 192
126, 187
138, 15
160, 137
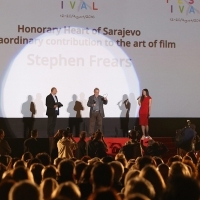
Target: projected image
75, 61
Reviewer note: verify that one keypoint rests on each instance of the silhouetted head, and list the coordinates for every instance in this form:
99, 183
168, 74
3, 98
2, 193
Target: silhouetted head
24, 190
47, 186
139, 185
102, 175
30, 98
68, 190
44, 158
66, 132
74, 97
83, 135
34, 133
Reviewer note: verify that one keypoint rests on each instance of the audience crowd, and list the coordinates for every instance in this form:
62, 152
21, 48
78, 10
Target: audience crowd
83, 171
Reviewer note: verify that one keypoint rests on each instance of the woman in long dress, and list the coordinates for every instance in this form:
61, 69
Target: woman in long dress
144, 101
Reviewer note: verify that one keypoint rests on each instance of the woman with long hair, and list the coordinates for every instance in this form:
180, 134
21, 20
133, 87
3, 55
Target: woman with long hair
144, 101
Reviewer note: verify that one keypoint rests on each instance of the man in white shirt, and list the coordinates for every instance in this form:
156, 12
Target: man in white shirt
66, 145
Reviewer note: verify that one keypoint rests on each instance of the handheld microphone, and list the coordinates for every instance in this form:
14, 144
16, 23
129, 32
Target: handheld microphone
94, 101
138, 97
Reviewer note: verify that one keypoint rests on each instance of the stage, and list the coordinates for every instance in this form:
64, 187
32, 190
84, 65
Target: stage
112, 127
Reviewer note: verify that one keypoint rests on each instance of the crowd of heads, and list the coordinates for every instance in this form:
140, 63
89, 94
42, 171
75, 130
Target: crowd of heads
107, 178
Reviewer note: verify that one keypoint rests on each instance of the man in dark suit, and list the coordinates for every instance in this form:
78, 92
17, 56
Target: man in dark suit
95, 102
52, 111
31, 144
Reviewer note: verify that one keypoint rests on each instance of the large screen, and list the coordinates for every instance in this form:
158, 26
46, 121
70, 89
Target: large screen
117, 46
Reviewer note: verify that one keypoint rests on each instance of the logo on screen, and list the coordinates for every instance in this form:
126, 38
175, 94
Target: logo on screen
188, 7
79, 5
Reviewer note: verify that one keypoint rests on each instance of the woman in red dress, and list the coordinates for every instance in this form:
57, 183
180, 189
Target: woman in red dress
144, 102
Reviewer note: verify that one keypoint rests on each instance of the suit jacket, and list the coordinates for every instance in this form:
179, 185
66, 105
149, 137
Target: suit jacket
50, 105
101, 102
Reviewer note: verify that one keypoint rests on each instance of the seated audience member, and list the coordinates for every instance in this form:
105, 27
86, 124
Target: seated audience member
130, 164
139, 185
94, 160
118, 173
192, 167
65, 171
102, 175
79, 169
178, 169
47, 187
193, 156
121, 158
49, 172
104, 194
19, 163
4, 146
68, 190
81, 145
27, 156
131, 149
97, 146
66, 145
36, 170
24, 190
57, 161
130, 175
182, 188
158, 160
144, 161
164, 171
107, 159
21, 173
31, 144
5, 187
172, 159
151, 174
84, 183
32, 161
44, 158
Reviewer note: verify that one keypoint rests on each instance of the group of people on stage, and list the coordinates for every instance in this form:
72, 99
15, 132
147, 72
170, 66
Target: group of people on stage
96, 102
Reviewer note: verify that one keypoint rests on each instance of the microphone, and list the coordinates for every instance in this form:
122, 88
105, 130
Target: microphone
94, 101
138, 97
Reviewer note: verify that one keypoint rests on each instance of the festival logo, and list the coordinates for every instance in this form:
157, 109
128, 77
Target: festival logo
184, 10
184, 6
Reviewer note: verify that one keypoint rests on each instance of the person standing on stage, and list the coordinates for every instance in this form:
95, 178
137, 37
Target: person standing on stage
144, 102
52, 111
95, 102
